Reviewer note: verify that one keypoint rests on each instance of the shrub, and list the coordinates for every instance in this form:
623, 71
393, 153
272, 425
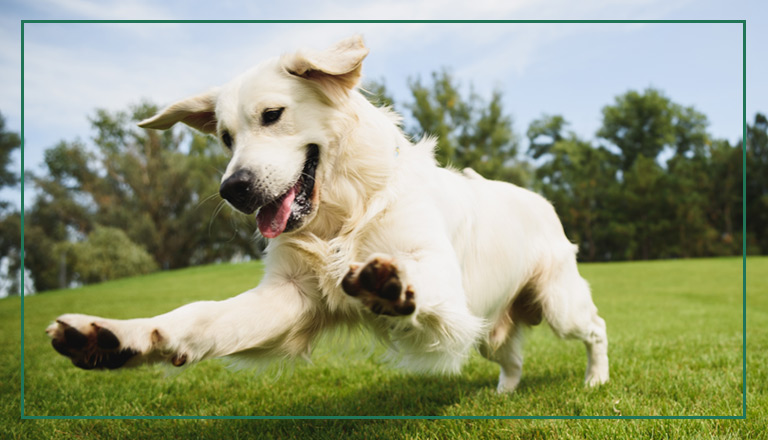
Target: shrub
108, 254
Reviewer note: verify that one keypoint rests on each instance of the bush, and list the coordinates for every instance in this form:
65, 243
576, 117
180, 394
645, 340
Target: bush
108, 254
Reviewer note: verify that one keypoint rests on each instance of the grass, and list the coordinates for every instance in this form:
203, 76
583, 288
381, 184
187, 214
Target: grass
675, 330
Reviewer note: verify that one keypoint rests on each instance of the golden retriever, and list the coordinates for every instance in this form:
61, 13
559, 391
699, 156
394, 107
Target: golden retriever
364, 230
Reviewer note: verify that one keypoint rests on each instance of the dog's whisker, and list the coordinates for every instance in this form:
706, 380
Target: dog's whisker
201, 202
215, 214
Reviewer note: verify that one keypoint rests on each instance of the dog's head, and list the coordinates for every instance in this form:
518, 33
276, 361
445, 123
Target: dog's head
276, 120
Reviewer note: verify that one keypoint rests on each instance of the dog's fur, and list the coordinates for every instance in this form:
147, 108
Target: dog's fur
433, 261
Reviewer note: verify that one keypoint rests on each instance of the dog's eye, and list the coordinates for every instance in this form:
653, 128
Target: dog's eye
271, 115
227, 139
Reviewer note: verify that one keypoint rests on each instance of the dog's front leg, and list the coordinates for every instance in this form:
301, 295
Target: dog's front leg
428, 316
262, 318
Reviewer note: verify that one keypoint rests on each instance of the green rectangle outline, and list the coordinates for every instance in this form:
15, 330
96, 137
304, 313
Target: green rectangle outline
744, 225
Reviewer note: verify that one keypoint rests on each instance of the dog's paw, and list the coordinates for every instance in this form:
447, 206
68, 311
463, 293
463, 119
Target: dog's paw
88, 343
596, 378
378, 285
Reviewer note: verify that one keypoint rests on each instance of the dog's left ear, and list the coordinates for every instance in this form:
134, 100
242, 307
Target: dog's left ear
336, 69
198, 112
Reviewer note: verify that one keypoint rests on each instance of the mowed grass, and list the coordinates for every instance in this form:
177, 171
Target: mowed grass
675, 330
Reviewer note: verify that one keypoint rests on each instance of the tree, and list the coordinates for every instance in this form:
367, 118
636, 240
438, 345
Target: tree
544, 133
470, 132
646, 196
704, 200
160, 188
756, 194
10, 250
645, 124
9, 142
685, 208
10, 219
579, 180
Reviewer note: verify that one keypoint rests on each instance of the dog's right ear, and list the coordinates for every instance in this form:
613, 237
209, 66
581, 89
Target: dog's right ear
199, 112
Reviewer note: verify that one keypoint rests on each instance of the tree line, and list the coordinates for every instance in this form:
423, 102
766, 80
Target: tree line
653, 183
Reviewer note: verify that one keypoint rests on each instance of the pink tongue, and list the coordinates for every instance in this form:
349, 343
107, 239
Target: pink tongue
273, 218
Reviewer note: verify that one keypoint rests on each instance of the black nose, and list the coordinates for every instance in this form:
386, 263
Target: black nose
238, 191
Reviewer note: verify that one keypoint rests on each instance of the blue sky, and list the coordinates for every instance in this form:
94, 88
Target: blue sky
568, 69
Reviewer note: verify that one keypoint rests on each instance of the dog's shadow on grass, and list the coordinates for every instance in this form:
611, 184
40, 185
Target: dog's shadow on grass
414, 395
404, 395
400, 396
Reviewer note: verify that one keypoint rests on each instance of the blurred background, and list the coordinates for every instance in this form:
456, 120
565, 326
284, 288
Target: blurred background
633, 130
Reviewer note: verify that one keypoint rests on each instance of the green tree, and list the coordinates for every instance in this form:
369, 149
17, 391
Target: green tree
10, 219
704, 196
580, 181
10, 250
645, 205
757, 185
647, 123
470, 132
9, 142
544, 133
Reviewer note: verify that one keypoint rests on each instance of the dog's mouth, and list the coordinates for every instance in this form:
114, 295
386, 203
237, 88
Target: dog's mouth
287, 211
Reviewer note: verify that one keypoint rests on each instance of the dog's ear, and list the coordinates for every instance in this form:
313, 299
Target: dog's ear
336, 69
199, 112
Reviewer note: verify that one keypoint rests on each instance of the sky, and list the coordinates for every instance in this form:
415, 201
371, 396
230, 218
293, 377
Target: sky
569, 69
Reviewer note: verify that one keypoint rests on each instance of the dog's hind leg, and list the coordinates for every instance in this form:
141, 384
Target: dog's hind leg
509, 355
568, 308
505, 342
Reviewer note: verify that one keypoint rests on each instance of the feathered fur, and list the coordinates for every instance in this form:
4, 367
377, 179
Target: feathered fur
484, 259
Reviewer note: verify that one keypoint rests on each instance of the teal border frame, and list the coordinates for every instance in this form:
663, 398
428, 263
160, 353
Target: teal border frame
744, 225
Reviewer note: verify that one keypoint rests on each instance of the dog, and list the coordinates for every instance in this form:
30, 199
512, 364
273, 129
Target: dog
364, 229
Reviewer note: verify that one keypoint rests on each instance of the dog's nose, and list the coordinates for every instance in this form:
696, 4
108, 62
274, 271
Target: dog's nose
238, 191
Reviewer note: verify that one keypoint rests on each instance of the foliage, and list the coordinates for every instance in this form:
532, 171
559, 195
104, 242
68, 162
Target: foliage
544, 133
10, 250
10, 219
756, 194
469, 131
9, 141
645, 124
580, 181
622, 201
108, 254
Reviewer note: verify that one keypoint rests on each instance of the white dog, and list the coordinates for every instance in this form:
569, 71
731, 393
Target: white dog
365, 229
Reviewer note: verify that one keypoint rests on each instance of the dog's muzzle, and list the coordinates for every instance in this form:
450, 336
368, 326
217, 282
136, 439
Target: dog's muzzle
277, 214
237, 190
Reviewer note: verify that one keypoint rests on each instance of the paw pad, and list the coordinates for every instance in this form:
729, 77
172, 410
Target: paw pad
96, 347
378, 285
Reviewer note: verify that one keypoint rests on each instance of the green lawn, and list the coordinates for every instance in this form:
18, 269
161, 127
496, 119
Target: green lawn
675, 331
